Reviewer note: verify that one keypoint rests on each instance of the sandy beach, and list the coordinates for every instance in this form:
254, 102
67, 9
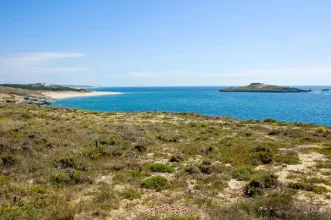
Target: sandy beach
64, 95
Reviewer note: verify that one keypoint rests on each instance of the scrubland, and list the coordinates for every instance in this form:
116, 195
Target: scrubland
59, 163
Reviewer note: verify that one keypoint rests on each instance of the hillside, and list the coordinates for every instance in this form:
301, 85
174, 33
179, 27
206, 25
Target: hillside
34, 93
260, 87
38, 87
59, 163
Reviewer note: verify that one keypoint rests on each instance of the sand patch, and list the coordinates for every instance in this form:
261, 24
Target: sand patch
65, 95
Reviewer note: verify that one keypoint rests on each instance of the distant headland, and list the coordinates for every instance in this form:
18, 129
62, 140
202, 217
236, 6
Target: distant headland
261, 87
43, 93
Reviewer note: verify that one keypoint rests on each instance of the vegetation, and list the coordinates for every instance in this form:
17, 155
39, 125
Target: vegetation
162, 168
154, 182
37, 87
59, 163
259, 183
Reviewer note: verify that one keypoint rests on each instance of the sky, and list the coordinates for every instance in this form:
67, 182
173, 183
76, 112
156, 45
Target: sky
165, 43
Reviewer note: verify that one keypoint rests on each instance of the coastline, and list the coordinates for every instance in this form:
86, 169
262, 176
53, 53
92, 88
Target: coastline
65, 95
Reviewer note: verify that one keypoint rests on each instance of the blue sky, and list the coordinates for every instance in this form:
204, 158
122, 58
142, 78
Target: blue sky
166, 43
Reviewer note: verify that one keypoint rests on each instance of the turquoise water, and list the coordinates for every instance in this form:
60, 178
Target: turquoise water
314, 107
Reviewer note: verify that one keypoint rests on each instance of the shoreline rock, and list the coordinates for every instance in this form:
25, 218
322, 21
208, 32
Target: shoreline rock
35, 100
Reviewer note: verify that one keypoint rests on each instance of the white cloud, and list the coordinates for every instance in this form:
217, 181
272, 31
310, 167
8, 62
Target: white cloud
36, 63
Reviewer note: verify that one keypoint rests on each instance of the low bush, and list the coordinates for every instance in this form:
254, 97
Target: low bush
38, 189
206, 169
259, 183
61, 178
8, 160
192, 170
92, 153
290, 157
326, 150
261, 155
4, 179
69, 177
161, 168
176, 159
269, 120
130, 176
154, 182
274, 132
243, 173
204, 124
65, 163
320, 129
140, 148
324, 165
309, 187
130, 194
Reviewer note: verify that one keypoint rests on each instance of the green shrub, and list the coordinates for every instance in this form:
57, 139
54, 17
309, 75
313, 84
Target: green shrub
161, 168
24, 211
259, 183
288, 158
4, 179
154, 182
106, 198
275, 205
324, 165
309, 187
109, 141
92, 153
243, 173
68, 177
38, 189
320, 129
65, 163
269, 120
61, 178
261, 155
204, 124
130, 194
326, 150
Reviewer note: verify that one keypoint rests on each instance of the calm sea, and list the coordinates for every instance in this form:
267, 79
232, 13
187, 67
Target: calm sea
314, 107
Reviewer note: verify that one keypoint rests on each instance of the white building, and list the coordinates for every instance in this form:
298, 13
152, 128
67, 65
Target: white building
42, 84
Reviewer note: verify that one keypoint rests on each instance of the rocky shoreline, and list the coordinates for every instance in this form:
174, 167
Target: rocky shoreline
36, 100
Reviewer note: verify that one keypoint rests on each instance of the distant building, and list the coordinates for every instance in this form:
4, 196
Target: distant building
42, 84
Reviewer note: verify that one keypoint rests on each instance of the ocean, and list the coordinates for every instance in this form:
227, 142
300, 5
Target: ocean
313, 107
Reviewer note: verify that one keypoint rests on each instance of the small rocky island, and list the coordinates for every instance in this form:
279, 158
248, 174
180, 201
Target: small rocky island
260, 87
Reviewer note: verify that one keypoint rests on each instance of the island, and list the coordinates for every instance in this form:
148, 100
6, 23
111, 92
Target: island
261, 87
